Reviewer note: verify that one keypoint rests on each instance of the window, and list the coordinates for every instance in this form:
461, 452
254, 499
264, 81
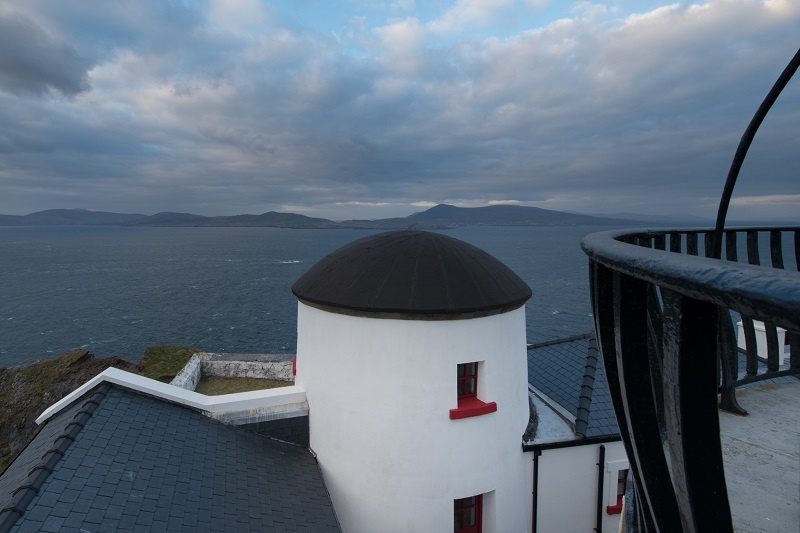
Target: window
467, 380
622, 483
467, 514
467, 393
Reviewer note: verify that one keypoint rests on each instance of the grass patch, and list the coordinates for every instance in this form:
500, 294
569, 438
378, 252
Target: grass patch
164, 362
216, 385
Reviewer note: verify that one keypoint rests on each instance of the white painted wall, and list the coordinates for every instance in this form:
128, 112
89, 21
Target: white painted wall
379, 394
567, 499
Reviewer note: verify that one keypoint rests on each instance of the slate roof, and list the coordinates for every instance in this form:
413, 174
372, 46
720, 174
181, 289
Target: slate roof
140, 463
411, 272
570, 371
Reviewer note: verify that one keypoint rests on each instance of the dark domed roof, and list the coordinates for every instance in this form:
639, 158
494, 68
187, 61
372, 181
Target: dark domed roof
412, 273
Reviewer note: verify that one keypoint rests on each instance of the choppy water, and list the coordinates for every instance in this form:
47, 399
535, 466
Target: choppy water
116, 290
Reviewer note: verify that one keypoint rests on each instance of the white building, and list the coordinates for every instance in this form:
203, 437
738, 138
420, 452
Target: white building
417, 406
411, 349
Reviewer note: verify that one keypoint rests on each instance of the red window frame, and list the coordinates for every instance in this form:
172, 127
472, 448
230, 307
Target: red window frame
622, 485
468, 514
467, 393
467, 380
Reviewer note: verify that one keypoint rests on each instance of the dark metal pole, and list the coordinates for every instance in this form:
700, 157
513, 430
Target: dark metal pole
535, 506
744, 145
601, 463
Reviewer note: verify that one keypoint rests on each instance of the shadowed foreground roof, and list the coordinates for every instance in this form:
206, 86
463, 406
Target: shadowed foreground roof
571, 372
140, 463
412, 273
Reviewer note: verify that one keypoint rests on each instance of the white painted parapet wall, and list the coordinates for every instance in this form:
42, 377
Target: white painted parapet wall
380, 393
240, 407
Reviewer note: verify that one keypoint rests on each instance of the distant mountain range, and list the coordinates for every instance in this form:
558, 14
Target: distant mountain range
438, 217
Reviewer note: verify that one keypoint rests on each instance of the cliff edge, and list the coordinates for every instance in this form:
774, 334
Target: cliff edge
27, 391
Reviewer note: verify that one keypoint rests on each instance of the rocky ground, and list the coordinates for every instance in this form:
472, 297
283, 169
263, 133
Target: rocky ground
27, 391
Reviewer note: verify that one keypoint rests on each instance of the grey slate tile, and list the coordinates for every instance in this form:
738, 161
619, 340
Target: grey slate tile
196, 476
557, 369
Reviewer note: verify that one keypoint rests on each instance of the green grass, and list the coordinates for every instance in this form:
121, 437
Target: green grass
164, 362
216, 385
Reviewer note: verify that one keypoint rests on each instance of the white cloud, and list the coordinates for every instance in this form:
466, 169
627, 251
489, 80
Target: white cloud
768, 199
231, 106
465, 13
402, 43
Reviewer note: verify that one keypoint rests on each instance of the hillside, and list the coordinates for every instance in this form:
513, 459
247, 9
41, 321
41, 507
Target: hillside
439, 217
508, 215
69, 217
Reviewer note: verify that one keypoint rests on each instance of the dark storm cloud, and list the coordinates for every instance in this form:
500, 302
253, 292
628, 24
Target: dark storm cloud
34, 62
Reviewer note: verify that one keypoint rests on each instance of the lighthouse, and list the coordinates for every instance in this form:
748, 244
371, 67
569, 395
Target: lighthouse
411, 348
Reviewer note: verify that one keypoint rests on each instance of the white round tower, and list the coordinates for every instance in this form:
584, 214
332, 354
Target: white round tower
411, 349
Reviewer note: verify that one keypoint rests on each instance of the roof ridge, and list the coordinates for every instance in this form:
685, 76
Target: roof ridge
561, 341
587, 389
39, 474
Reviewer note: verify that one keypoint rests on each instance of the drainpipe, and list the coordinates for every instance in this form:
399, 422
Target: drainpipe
535, 506
601, 463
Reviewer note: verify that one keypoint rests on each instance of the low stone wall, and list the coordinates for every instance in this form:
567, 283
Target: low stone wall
190, 374
264, 366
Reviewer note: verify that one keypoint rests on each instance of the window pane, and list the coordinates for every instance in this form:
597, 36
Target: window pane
472, 368
470, 386
622, 478
461, 388
459, 523
461, 371
469, 501
469, 517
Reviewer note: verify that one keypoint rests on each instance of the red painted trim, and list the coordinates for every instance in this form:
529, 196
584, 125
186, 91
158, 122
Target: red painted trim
294, 365
478, 506
471, 406
614, 509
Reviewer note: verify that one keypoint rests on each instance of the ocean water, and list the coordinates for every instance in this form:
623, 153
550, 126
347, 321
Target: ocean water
116, 290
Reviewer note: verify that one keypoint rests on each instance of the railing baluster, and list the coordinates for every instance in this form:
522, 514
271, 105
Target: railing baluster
797, 249
675, 242
729, 364
731, 246
655, 346
772, 347
601, 280
708, 241
793, 340
692, 422
751, 367
691, 243
776, 248
638, 399
752, 247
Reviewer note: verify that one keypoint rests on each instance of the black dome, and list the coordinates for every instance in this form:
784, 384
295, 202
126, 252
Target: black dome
412, 273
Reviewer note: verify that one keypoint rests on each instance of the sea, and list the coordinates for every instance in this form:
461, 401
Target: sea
116, 290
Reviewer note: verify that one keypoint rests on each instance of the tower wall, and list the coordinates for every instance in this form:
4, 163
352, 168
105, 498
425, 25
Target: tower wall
380, 393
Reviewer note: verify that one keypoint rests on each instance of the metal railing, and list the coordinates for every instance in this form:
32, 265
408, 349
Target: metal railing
663, 318
664, 327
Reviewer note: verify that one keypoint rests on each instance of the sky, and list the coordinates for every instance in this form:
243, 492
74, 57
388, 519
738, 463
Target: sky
367, 109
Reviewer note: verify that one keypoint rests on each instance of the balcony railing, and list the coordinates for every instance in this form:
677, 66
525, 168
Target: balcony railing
663, 317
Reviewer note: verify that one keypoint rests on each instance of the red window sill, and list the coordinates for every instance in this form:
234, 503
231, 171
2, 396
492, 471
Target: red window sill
468, 407
614, 509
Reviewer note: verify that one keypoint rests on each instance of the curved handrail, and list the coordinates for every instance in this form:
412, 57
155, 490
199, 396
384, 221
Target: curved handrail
767, 294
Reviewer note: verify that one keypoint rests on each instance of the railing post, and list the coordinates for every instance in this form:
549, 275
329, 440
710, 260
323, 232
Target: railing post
692, 419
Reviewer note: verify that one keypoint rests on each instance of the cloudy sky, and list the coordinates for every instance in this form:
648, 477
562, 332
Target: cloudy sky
367, 109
